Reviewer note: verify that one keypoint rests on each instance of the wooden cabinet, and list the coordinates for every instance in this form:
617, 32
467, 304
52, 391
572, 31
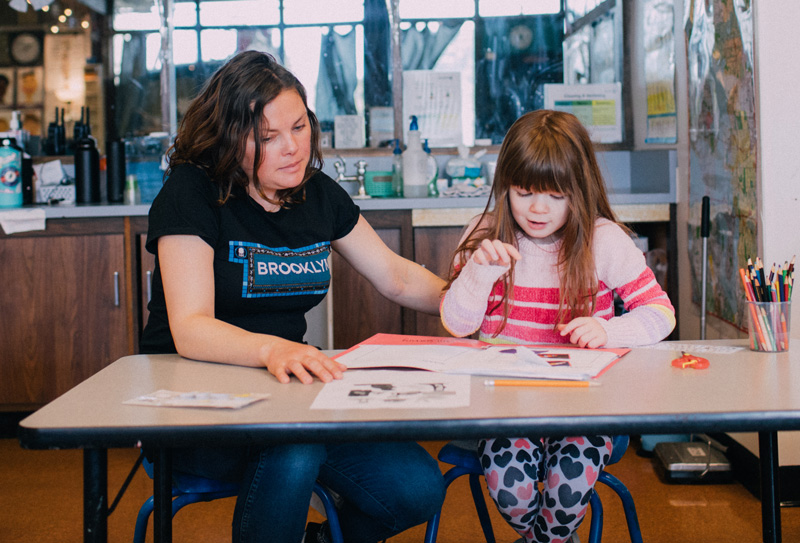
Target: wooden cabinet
143, 273
359, 311
65, 308
433, 248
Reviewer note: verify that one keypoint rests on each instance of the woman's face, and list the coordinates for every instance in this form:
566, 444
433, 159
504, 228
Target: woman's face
286, 144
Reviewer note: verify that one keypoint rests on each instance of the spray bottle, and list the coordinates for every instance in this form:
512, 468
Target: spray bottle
415, 164
397, 170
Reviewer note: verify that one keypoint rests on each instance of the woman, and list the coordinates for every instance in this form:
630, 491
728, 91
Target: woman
242, 230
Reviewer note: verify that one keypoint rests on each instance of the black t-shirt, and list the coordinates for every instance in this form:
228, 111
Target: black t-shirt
269, 268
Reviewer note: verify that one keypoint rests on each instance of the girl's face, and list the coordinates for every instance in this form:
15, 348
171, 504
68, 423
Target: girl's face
286, 144
539, 214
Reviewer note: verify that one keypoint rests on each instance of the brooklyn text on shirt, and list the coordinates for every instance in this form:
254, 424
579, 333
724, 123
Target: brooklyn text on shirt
281, 271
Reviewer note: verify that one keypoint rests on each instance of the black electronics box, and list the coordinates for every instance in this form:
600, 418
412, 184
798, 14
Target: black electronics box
691, 462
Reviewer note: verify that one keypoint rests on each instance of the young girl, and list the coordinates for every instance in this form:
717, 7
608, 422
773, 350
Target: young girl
543, 267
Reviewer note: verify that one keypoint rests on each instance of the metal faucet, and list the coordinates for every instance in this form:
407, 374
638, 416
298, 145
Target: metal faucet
361, 169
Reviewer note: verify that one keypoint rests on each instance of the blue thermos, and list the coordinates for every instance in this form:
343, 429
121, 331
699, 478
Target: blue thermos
10, 173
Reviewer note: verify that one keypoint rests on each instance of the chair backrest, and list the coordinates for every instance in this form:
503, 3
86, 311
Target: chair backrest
192, 488
193, 484
618, 448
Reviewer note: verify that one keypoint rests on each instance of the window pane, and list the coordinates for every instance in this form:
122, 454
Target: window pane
516, 57
459, 56
301, 48
239, 12
316, 12
579, 8
428, 9
267, 40
128, 19
184, 47
342, 84
146, 18
497, 8
217, 44
152, 50
185, 14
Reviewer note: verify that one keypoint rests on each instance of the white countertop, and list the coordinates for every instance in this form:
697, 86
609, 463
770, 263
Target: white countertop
653, 202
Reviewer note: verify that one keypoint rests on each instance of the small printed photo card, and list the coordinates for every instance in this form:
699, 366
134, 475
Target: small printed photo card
170, 398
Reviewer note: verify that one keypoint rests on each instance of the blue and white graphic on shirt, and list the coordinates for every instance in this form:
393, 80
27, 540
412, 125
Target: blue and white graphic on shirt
280, 271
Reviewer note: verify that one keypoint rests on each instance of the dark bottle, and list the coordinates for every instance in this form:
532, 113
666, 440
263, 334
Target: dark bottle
27, 179
115, 171
87, 172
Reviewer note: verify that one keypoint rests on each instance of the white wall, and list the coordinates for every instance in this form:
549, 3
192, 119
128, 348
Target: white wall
778, 114
777, 81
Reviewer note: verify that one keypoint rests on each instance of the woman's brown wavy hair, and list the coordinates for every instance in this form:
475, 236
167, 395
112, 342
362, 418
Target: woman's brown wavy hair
547, 151
230, 107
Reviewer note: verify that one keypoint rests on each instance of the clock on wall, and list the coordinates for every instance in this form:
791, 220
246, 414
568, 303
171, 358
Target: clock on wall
520, 37
25, 48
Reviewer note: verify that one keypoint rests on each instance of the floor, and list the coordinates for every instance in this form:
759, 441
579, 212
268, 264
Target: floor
40, 501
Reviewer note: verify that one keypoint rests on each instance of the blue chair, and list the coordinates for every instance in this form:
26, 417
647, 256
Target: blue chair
465, 461
188, 489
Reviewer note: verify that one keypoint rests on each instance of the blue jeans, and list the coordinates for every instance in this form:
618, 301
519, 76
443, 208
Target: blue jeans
386, 487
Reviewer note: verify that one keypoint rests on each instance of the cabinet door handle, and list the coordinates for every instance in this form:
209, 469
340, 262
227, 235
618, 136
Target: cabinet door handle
116, 289
149, 281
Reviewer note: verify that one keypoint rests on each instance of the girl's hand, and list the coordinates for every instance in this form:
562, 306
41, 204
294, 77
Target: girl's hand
287, 357
495, 253
585, 332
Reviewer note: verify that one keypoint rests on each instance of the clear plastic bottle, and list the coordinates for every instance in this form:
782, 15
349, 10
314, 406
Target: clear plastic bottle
432, 172
131, 196
415, 164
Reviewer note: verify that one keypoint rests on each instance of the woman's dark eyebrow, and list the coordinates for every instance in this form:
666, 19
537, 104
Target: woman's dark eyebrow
295, 123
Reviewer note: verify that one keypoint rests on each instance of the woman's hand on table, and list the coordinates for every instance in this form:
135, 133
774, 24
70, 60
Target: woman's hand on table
285, 358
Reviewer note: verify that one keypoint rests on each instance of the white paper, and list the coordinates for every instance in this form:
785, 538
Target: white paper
22, 220
49, 173
386, 389
435, 98
348, 131
598, 106
535, 362
170, 398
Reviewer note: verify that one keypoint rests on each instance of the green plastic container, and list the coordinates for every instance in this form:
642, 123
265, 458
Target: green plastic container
378, 183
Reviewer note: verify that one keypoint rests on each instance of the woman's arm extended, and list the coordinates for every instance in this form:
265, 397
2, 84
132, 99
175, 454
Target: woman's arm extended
395, 277
188, 275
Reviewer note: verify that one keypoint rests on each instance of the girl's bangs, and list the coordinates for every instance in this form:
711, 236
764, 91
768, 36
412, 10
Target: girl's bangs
543, 174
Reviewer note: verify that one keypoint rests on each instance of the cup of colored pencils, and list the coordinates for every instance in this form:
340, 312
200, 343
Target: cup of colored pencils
769, 304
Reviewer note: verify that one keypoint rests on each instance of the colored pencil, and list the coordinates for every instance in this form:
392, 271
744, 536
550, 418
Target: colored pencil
537, 383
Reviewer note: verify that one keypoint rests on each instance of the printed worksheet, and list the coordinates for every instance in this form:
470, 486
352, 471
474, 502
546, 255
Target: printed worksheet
216, 400
471, 357
392, 389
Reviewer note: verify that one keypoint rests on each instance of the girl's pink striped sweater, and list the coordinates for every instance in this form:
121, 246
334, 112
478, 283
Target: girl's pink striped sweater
620, 268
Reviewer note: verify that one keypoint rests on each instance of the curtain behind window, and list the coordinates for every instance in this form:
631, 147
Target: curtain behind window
337, 79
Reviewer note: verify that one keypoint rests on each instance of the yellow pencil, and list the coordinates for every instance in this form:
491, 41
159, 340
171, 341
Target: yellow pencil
537, 383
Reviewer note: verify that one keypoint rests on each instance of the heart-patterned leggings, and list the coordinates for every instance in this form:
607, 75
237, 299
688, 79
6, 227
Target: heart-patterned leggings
565, 468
